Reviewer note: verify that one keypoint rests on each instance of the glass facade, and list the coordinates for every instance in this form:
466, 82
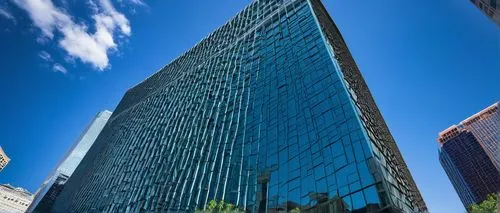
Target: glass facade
268, 113
467, 154
469, 168
53, 185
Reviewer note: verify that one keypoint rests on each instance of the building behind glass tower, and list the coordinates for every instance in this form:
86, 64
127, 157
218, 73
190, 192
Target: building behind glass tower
468, 153
55, 182
269, 113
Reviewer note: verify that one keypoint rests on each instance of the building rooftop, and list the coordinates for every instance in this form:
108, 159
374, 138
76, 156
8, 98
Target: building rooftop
453, 130
449, 133
485, 113
17, 189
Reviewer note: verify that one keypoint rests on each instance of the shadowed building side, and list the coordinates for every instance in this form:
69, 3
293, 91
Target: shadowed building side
469, 155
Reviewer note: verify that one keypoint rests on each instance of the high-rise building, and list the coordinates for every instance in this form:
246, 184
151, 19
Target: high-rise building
490, 8
269, 113
14, 200
54, 184
4, 160
468, 153
485, 126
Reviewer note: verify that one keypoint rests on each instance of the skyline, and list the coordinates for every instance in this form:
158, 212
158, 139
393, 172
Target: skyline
359, 45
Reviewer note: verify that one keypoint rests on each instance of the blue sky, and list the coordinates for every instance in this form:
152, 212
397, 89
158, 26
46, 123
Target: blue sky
428, 63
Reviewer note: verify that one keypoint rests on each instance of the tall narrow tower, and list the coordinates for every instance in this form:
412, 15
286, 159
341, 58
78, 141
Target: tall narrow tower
55, 182
269, 113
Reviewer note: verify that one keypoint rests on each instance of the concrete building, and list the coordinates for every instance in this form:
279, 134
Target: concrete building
14, 200
54, 184
267, 111
490, 8
4, 160
469, 154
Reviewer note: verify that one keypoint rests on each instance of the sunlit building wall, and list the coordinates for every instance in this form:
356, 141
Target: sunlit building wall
14, 200
4, 159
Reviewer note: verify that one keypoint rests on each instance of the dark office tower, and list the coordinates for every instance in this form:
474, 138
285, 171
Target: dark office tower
55, 182
467, 154
490, 8
269, 113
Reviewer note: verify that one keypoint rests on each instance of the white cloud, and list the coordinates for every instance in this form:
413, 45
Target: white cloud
45, 56
45, 15
93, 6
6, 14
77, 41
59, 68
136, 2
42, 40
117, 17
69, 59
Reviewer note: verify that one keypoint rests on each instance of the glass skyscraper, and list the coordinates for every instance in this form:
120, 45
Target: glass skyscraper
54, 184
269, 113
468, 153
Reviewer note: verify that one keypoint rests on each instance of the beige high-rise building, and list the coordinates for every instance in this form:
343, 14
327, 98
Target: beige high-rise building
4, 160
14, 200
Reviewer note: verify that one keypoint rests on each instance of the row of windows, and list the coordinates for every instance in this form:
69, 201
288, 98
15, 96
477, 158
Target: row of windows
13, 200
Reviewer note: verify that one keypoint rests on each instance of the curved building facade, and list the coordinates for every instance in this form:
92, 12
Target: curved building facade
269, 113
